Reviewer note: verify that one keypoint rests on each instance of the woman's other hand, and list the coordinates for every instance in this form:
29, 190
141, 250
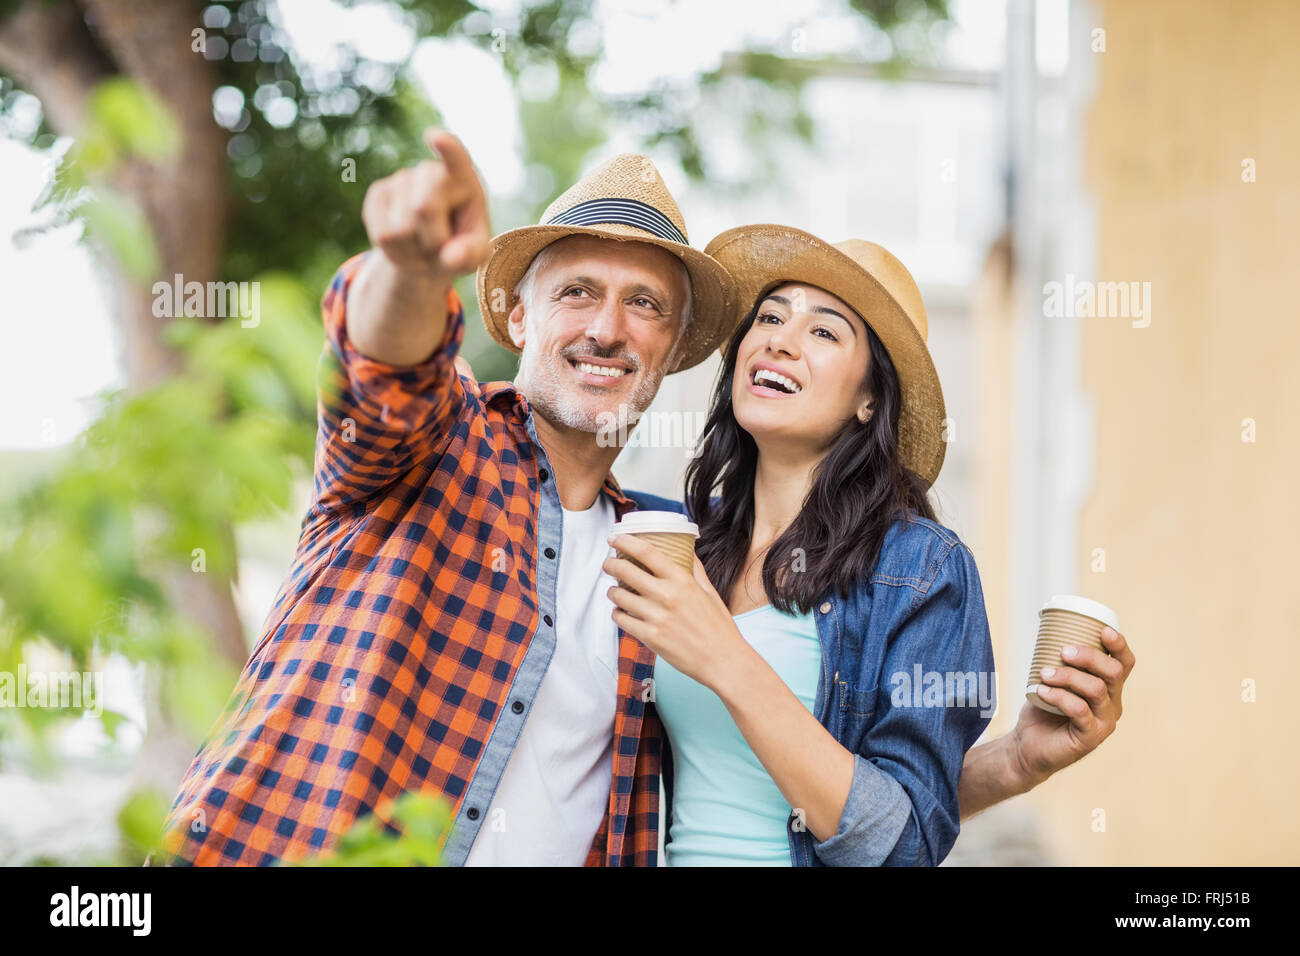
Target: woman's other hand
1087, 688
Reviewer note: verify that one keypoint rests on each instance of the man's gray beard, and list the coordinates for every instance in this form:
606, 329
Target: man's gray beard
547, 395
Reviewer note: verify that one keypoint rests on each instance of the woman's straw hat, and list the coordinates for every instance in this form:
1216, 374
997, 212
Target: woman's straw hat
625, 199
878, 287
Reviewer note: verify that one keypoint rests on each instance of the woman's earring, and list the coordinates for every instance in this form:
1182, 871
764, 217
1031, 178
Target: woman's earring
864, 418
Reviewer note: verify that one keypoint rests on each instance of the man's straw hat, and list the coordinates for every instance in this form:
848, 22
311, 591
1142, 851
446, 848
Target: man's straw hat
625, 199
878, 287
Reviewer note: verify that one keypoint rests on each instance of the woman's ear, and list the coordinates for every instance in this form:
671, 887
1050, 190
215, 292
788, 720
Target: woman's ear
866, 411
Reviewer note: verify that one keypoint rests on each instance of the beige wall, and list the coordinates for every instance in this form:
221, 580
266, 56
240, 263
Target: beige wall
1199, 528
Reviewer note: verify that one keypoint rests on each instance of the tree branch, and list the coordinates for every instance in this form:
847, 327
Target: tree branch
50, 53
186, 203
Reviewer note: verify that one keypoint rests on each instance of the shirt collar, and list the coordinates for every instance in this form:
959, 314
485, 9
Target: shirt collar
505, 395
622, 503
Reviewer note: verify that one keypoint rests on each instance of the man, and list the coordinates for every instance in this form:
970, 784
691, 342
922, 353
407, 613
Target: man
444, 627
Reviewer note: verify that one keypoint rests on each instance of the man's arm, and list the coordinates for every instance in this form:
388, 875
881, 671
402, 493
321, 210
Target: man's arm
1088, 689
387, 387
429, 224
990, 775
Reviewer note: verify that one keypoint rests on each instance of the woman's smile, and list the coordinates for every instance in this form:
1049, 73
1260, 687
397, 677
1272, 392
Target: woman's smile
768, 380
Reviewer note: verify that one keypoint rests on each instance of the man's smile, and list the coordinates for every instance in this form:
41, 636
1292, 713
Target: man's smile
602, 372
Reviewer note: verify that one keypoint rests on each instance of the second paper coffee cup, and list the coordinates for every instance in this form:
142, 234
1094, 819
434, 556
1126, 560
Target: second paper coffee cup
1065, 619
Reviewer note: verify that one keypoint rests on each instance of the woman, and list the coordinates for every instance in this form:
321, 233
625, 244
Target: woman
823, 671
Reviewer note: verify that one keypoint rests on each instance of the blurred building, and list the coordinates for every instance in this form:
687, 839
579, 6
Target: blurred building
1152, 454
1140, 455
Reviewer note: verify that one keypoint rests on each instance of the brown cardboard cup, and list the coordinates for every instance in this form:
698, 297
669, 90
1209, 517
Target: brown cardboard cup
1065, 619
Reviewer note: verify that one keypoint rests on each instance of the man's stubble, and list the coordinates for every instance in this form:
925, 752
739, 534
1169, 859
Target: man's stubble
543, 380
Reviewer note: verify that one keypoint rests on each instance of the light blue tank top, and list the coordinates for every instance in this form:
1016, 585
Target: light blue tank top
727, 810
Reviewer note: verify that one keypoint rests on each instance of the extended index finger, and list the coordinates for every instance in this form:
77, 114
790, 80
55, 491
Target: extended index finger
452, 152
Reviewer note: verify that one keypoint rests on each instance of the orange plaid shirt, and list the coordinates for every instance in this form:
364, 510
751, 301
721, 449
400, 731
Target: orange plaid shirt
406, 646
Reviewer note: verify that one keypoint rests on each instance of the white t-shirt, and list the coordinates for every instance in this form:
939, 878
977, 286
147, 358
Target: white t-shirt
554, 791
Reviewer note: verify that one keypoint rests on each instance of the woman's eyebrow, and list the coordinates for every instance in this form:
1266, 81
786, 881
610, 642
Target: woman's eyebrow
821, 309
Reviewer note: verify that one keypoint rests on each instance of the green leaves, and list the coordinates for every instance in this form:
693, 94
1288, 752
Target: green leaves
140, 823
124, 122
118, 224
128, 120
152, 490
422, 818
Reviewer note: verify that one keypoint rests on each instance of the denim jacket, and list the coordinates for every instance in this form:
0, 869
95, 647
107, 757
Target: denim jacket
907, 685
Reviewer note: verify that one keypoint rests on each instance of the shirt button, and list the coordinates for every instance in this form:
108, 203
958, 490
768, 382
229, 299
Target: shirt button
826, 607
543, 474
517, 707
547, 619
473, 813
550, 552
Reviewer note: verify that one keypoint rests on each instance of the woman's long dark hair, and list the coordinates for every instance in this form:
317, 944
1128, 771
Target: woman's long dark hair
859, 489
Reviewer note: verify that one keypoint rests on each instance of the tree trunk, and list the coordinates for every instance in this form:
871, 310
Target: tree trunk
59, 53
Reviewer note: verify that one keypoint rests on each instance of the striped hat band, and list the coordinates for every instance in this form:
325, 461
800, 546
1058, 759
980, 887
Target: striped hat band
627, 212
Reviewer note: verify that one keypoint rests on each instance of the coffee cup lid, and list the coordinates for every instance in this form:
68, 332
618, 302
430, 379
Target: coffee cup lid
1082, 605
649, 522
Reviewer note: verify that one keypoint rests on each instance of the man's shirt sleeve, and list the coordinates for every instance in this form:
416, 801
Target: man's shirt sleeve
376, 421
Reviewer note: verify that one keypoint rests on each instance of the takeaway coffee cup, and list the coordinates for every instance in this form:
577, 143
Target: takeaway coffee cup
1065, 619
668, 531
